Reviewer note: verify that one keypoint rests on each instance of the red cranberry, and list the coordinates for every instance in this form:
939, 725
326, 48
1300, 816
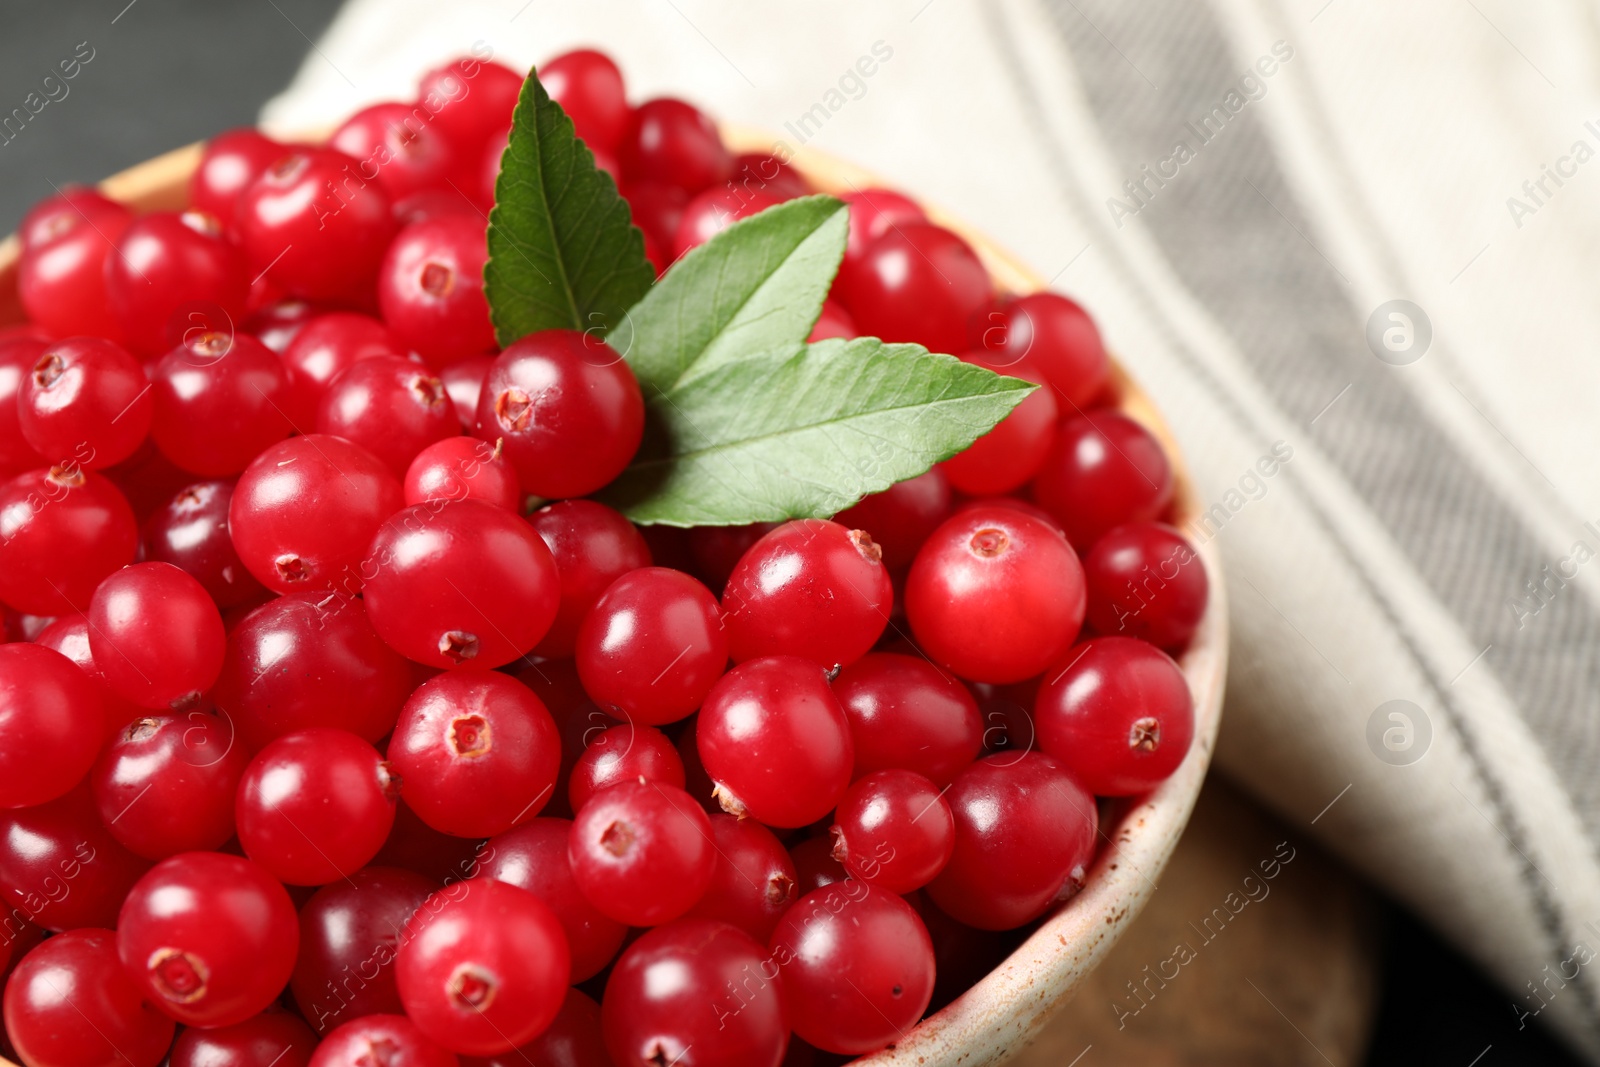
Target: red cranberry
625, 753
463, 380
588, 86
51, 725
173, 272
85, 396
471, 100
657, 209
437, 203
69, 635
754, 881
716, 550
430, 288
714, 210
274, 319
157, 635
272, 1039
165, 783
61, 278
326, 345
906, 713
900, 518
574, 1039
762, 170
219, 400
60, 867
62, 530
191, 532
398, 147
674, 142
814, 865
231, 162
1058, 338
1104, 470
1009, 455
642, 852
915, 282
17, 358
874, 212
380, 1041
593, 546
893, 830
73, 207
392, 407
413, 845
465, 468
834, 321
1146, 581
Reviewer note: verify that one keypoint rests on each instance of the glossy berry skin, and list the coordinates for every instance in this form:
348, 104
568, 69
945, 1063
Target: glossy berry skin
1104, 470
834, 321
68, 1004
219, 401
73, 207
716, 550
52, 721
315, 224
165, 784
305, 511
61, 280
593, 546
168, 263
87, 397
674, 142
1025, 836
715, 209
62, 529
59, 866
463, 380
874, 212
652, 646
398, 147
483, 967
642, 852
464, 468
814, 865
533, 856
568, 410
573, 1040
894, 830
657, 208
670, 990
1145, 580
754, 881
390, 1040
915, 282
857, 967
764, 170
478, 753
995, 595
275, 319
471, 100
69, 635
1058, 337
460, 584
1009, 455
1118, 715
231, 162
17, 358
810, 588
349, 934
210, 938
906, 713
310, 659
391, 407
272, 1039
588, 86
190, 531
156, 634
323, 347
315, 806
625, 753
900, 518
776, 742
430, 287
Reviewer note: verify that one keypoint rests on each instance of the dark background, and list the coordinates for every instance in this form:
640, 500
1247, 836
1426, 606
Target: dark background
167, 72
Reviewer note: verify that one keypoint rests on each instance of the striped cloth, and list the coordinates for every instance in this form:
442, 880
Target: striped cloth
1350, 246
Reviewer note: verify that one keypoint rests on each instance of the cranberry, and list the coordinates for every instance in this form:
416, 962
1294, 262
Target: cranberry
574, 1039
754, 880
171, 272
413, 845
61, 280
652, 646
478, 753
995, 595
68, 1004
593, 546
590, 412
17, 358
310, 659
392, 407
1146, 581
156, 634
436, 203
1058, 337
306, 510
51, 725
69, 635
857, 967
1009, 455
73, 207
762, 170
148, 479
465, 468
906, 713
220, 400
1104, 470
716, 550
210, 938
62, 529
1025, 835
165, 783
271, 1039
776, 742
674, 142
86, 397
349, 934
230, 163
810, 588
625, 753
326, 345
874, 212
697, 783
915, 282
714, 210
900, 518
460, 584
494, 151
191, 532
398, 147
380, 1041
276, 320
642, 852
430, 288
894, 830
471, 100
314, 223
657, 208
833, 321
588, 86
696, 992
483, 967
60, 867
463, 380
534, 857
814, 865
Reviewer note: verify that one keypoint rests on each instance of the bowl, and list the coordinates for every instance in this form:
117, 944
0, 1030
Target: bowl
1002, 1012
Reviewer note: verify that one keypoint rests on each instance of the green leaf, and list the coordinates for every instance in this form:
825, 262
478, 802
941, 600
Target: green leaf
805, 431
755, 287
563, 250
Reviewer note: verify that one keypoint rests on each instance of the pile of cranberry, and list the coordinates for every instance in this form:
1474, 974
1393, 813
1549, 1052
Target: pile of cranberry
332, 709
